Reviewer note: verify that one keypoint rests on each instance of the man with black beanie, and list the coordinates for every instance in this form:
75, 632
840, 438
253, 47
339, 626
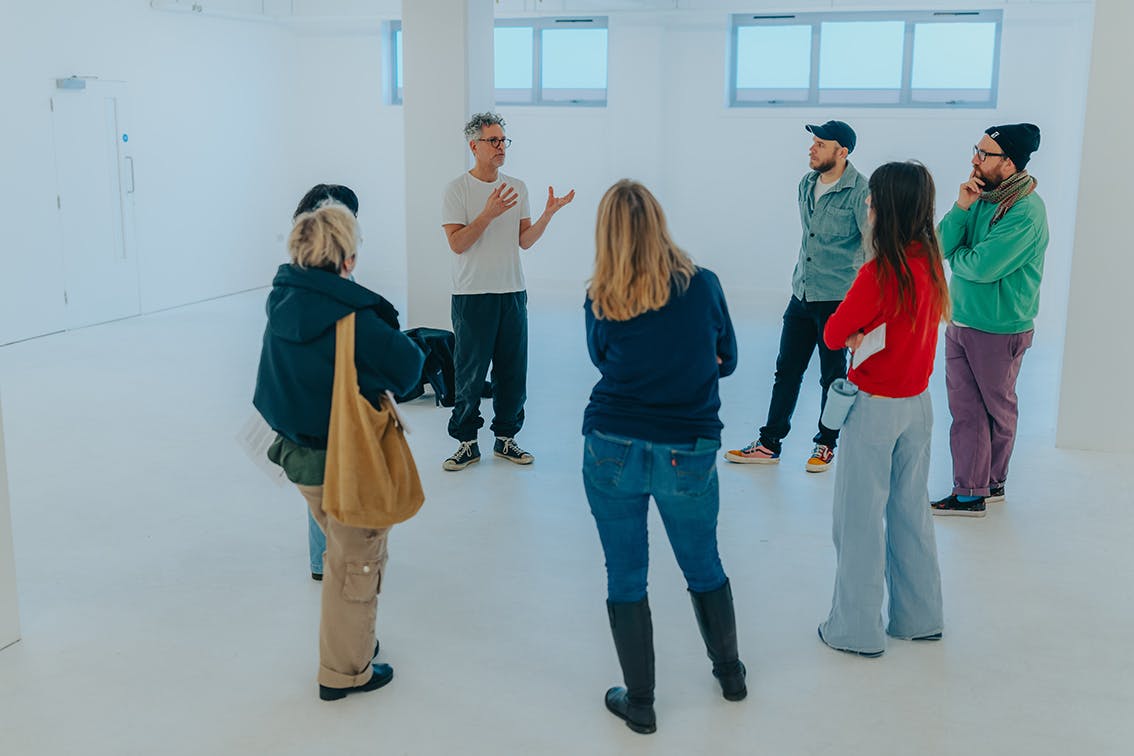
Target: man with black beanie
994, 238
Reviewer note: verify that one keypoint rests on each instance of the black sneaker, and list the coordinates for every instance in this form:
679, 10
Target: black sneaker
995, 495
507, 448
952, 506
382, 674
467, 453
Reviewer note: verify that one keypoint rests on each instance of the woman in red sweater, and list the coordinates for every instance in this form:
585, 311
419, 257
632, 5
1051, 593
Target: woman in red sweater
883, 529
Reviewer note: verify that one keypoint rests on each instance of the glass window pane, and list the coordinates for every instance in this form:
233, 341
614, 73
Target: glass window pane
861, 54
513, 46
573, 59
953, 56
773, 57
398, 58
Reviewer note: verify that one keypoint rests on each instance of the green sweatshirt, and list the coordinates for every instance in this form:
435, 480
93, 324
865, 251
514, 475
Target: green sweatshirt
996, 272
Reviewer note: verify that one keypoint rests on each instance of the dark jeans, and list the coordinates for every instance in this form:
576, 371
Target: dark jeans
490, 328
620, 474
802, 332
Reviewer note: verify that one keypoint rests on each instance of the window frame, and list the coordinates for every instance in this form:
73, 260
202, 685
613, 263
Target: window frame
818, 98
394, 93
538, 25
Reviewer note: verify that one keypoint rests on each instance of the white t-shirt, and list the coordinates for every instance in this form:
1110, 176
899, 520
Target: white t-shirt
492, 264
821, 188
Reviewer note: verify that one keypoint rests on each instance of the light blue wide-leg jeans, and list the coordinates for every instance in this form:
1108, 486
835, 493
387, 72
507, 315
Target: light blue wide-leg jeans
316, 545
883, 529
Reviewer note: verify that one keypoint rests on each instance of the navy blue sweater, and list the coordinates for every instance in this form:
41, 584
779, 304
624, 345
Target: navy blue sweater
659, 370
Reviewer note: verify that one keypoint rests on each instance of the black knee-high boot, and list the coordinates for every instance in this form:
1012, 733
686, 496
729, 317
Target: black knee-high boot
633, 632
717, 621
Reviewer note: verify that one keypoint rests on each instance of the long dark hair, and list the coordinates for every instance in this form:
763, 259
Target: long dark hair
902, 197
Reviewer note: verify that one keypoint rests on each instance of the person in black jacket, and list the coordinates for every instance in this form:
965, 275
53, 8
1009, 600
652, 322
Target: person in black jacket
659, 331
316, 196
293, 393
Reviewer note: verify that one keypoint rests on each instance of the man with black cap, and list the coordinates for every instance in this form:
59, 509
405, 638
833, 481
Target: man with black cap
832, 208
994, 238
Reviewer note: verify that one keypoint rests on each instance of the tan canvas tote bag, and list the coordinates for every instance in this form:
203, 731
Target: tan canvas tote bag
371, 480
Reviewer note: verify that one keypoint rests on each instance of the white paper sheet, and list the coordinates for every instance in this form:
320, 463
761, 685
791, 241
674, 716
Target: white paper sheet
873, 342
254, 438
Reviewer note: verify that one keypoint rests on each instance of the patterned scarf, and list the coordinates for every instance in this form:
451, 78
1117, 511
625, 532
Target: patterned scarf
1011, 191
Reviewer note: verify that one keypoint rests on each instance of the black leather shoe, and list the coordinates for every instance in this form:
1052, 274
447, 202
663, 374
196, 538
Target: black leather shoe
383, 673
638, 717
866, 654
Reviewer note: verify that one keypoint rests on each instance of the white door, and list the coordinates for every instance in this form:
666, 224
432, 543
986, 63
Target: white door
95, 171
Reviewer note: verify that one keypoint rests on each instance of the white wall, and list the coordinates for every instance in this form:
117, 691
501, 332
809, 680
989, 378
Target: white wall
344, 134
1095, 411
727, 177
448, 74
235, 119
211, 100
9, 608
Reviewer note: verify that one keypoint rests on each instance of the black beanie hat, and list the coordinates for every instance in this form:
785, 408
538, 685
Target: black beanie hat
1017, 140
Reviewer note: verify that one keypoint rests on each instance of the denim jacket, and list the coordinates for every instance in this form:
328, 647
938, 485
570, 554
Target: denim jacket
834, 232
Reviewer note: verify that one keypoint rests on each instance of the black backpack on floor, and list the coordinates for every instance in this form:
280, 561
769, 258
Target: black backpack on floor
437, 345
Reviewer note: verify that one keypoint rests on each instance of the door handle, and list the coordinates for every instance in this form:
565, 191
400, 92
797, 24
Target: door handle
131, 189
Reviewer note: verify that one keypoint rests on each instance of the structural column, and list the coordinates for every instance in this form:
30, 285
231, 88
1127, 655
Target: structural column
1096, 408
447, 61
9, 615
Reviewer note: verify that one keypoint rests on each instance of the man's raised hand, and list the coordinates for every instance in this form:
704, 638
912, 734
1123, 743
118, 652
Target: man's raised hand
502, 199
555, 204
970, 191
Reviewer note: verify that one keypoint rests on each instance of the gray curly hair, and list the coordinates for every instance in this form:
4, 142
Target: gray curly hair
476, 124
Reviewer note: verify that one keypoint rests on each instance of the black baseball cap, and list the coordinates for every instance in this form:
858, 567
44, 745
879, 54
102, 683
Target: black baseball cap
835, 131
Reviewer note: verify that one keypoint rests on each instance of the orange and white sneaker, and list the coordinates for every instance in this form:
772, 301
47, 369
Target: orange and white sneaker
822, 457
753, 454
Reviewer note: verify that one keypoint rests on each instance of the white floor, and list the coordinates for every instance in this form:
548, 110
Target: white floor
166, 606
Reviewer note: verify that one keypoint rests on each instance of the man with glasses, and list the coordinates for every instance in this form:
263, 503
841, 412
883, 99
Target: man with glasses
486, 219
832, 207
994, 238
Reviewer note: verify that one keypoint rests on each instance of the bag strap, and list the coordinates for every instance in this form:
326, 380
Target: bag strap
346, 373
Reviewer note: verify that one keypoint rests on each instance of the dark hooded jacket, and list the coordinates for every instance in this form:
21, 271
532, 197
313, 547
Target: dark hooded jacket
297, 364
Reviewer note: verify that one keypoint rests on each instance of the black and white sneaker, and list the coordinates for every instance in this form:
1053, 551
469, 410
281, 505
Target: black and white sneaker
467, 453
995, 495
952, 506
507, 448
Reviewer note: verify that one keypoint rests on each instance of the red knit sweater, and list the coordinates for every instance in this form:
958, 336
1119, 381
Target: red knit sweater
904, 365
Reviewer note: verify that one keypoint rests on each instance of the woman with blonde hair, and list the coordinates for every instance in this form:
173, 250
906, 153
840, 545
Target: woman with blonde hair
883, 530
293, 393
659, 332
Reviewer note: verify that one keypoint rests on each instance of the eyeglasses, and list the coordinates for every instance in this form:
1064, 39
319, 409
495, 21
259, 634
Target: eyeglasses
982, 155
497, 141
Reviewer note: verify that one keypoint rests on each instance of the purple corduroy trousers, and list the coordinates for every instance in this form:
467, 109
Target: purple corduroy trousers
980, 374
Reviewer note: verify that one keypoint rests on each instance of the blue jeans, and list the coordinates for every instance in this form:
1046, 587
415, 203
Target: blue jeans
883, 529
316, 545
620, 475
